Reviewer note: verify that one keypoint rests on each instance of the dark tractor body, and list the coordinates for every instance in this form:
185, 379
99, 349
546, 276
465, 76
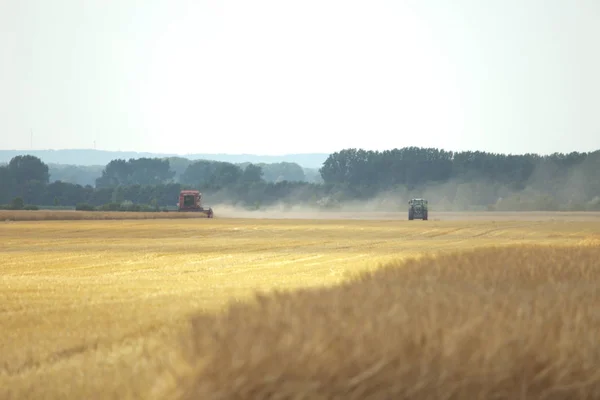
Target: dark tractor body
418, 208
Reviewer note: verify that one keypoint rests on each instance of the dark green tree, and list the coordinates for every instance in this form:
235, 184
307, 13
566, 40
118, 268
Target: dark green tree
142, 171
7, 185
150, 171
117, 172
282, 171
252, 174
199, 173
28, 168
18, 203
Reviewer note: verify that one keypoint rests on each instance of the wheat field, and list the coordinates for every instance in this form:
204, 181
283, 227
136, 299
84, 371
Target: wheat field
108, 308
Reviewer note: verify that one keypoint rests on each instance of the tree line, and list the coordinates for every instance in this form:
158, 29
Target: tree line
465, 180
472, 179
148, 182
274, 172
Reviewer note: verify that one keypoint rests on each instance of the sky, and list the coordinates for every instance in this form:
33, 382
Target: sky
311, 76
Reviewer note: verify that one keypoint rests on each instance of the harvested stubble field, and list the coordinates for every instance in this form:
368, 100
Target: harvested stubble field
69, 215
138, 308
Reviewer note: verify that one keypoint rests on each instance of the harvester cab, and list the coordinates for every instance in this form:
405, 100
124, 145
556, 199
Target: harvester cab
191, 201
418, 208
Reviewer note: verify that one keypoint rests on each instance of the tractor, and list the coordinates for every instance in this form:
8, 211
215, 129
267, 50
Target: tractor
191, 201
417, 208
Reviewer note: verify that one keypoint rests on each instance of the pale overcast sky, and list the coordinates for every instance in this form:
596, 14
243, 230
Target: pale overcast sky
276, 77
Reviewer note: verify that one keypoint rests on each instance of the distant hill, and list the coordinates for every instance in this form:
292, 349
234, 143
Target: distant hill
90, 157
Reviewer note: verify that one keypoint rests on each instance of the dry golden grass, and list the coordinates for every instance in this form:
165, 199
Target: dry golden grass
510, 323
69, 215
96, 309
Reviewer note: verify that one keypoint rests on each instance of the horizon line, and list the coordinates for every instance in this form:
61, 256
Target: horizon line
293, 154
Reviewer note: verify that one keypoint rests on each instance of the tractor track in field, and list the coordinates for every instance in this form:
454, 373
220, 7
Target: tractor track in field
506, 227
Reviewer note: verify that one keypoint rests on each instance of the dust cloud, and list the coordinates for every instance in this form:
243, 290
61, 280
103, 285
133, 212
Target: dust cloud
225, 211
550, 192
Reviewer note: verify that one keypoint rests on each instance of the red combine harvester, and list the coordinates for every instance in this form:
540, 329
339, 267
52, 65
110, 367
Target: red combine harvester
191, 201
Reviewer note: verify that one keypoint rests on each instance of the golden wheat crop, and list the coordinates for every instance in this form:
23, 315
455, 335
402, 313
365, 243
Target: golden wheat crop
520, 322
96, 309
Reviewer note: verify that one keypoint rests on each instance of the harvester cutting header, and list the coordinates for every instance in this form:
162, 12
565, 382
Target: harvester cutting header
191, 201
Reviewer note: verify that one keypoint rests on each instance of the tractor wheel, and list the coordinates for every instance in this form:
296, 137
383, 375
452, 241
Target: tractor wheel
425, 216
410, 215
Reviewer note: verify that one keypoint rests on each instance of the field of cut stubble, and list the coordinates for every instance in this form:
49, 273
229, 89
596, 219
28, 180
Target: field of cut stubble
98, 309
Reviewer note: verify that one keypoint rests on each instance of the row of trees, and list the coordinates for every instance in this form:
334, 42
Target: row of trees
155, 171
451, 181
415, 166
88, 175
144, 181
476, 178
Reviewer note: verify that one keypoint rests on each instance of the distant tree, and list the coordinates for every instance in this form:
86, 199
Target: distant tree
118, 195
117, 172
336, 168
203, 173
142, 171
178, 165
252, 173
28, 168
18, 203
590, 175
150, 171
199, 173
78, 174
312, 175
226, 174
282, 171
7, 185
64, 193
